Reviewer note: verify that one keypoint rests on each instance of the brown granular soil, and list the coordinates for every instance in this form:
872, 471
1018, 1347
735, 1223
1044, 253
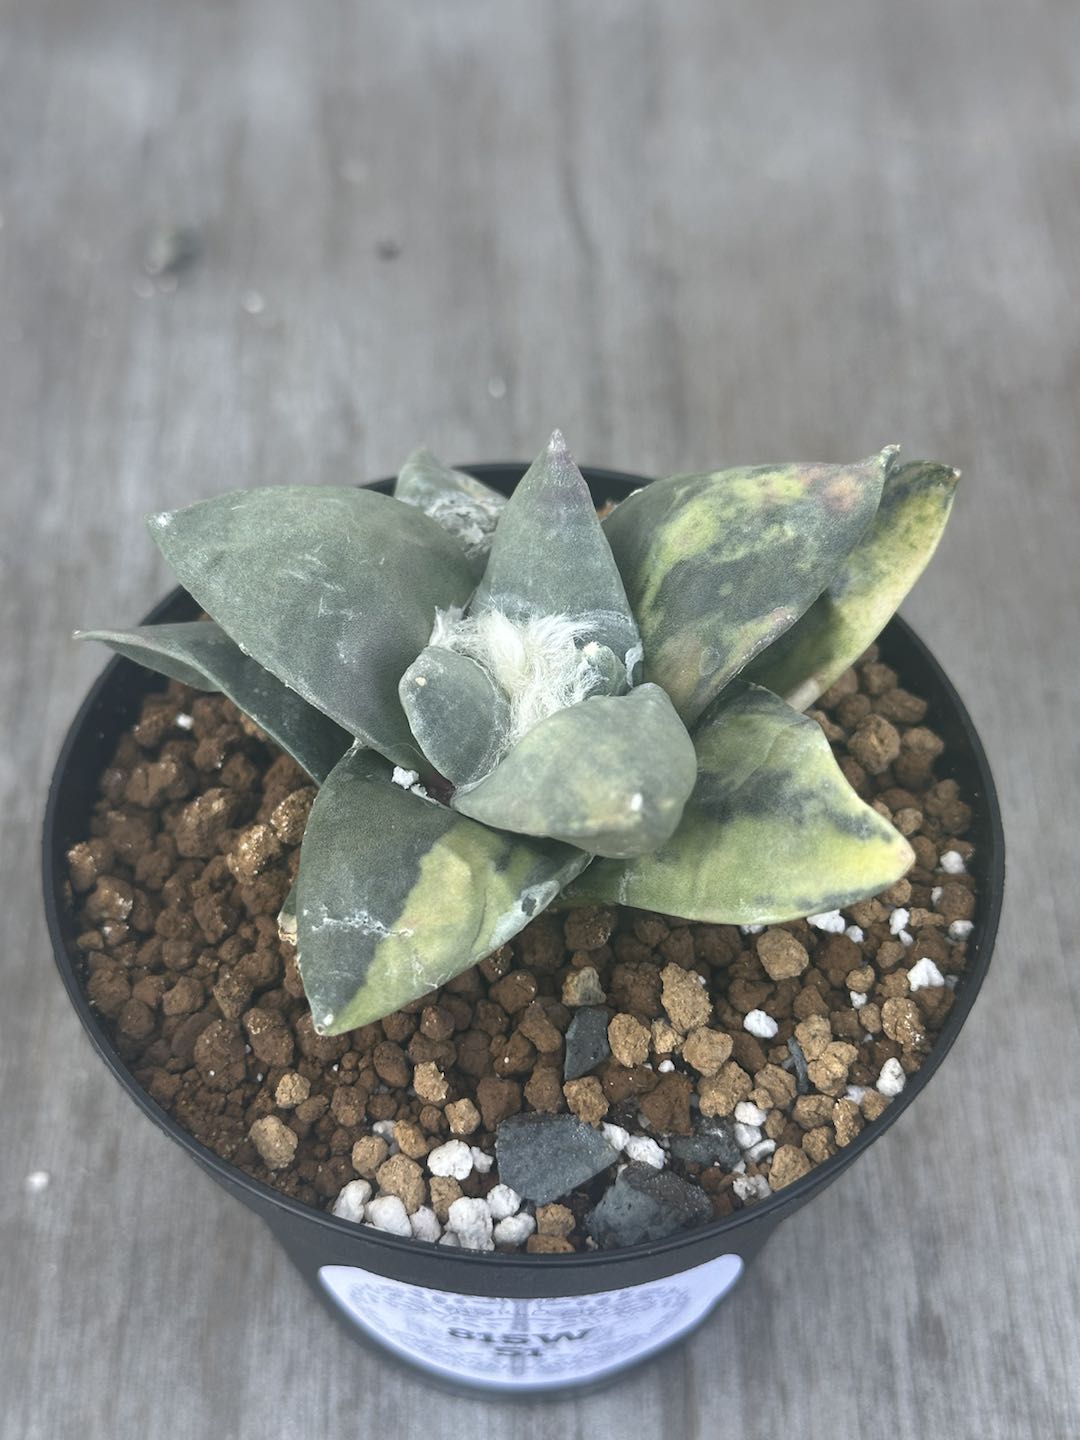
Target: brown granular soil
193, 846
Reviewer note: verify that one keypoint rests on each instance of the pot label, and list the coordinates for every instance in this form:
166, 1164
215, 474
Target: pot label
528, 1344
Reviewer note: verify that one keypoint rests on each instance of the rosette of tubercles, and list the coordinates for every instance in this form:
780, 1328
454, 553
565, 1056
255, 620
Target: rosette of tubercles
508, 701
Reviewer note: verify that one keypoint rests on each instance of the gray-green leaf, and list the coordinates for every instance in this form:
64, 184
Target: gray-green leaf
610, 775
458, 714
717, 566
549, 556
200, 654
866, 592
464, 506
772, 831
332, 589
396, 894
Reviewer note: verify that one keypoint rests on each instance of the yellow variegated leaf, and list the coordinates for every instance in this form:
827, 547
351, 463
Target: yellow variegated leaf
397, 894
866, 592
717, 566
772, 831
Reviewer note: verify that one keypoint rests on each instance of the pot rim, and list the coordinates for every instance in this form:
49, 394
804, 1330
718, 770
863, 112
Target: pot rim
991, 872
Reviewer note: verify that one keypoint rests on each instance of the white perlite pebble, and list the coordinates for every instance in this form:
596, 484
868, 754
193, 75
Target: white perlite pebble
350, 1202
751, 929
925, 975
481, 1163
405, 778
906, 938
470, 1221
751, 1187
856, 1093
503, 1202
449, 1239
936, 894
645, 1151
616, 1136
385, 1131
760, 1024
898, 920
952, 862
455, 1159
425, 1224
746, 1135
666, 1067
184, 722
892, 1078
387, 1212
514, 1229
830, 920
858, 998
855, 932
961, 929
747, 1113
761, 1151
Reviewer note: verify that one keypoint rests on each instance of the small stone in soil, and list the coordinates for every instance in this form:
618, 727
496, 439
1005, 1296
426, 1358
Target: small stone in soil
470, 1220
586, 1041
275, 1142
351, 1201
781, 954
387, 1212
646, 1204
712, 1143
582, 987
545, 1156
802, 1079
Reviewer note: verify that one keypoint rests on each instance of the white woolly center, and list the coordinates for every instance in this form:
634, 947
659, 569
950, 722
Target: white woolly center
537, 663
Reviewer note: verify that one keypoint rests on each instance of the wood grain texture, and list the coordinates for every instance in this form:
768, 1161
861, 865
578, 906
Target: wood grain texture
688, 235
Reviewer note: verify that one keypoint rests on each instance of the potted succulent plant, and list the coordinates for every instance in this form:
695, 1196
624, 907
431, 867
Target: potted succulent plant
508, 704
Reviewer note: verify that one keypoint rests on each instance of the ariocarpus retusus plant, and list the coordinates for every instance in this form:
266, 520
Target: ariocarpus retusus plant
501, 699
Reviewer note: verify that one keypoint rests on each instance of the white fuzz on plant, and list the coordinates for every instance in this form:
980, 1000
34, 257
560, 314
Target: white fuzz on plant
537, 663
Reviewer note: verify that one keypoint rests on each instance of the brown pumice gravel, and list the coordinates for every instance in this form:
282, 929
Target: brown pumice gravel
761, 1052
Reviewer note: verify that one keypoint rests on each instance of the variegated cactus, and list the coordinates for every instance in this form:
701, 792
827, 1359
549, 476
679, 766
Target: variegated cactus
501, 699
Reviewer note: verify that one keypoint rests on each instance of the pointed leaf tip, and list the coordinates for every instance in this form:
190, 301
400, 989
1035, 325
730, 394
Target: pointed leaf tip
716, 566
199, 653
550, 556
867, 589
772, 831
464, 506
609, 775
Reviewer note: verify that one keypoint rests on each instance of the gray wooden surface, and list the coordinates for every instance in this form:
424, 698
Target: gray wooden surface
690, 234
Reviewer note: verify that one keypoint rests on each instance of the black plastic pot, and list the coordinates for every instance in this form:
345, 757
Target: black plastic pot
514, 1323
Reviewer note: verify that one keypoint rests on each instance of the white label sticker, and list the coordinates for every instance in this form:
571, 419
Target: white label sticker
528, 1344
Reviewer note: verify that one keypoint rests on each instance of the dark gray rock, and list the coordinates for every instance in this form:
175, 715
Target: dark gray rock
646, 1204
712, 1143
802, 1077
544, 1157
586, 1041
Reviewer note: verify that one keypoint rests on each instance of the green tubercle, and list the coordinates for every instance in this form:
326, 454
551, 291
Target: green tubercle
866, 592
717, 566
772, 831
